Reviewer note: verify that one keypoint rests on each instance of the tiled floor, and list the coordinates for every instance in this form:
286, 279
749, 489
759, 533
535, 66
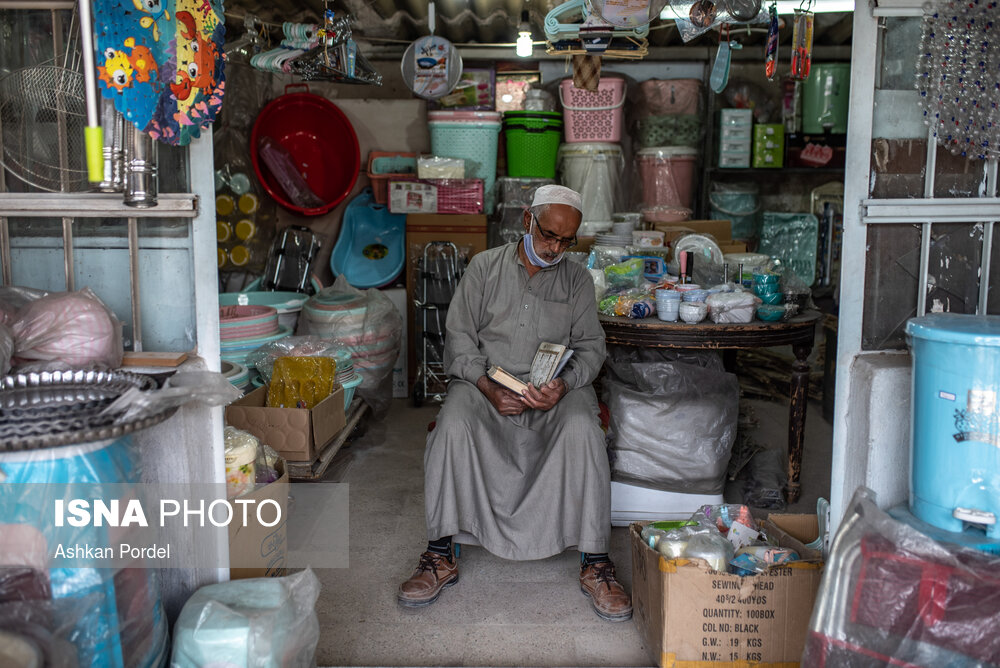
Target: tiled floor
501, 613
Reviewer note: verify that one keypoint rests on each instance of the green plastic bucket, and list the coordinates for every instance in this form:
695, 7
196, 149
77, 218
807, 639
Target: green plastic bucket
739, 204
533, 139
825, 98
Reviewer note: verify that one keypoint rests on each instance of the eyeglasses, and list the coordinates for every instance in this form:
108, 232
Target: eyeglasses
551, 238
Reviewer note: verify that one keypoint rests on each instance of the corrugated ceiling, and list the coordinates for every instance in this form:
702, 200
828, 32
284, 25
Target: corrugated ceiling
489, 21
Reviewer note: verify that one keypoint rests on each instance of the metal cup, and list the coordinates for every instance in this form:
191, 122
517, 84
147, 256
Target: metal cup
114, 149
140, 168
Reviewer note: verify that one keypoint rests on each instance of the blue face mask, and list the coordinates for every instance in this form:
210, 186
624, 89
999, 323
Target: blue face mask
533, 257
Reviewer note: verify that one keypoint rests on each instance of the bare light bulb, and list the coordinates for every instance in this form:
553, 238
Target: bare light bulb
524, 45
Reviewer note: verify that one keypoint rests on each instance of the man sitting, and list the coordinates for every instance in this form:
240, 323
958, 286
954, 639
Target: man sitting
526, 475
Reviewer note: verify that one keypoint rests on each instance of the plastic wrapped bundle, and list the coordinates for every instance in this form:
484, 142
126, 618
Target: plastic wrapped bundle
113, 616
254, 623
892, 595
368, 325
673, 419
73, 329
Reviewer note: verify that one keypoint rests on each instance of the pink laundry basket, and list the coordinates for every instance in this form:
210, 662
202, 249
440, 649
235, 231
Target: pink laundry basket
661, 97
593, 116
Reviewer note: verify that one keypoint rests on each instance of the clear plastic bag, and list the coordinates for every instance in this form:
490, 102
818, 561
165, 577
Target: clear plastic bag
691, 393
294, 346
436, 167
793, 238
637, 303
91, 614
6, 348
370, 329
241, 453
256, 623
732, 307
600, 283
75, 329
184, 387
13, 299
625, 275
281, 165
892, 595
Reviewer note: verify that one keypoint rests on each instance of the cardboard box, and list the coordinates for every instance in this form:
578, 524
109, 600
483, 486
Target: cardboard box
265, 547
298, 434
688, 615
721, 230
672, 231
733, 247
794, 531
462, 230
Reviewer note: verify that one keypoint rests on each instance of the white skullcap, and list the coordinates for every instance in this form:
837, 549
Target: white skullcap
553, 194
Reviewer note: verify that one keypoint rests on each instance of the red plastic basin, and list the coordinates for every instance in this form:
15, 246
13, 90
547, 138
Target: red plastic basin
321, 141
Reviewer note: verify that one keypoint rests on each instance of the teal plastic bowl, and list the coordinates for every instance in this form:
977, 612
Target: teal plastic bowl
769, 313
772, 298
766, 279
349, 388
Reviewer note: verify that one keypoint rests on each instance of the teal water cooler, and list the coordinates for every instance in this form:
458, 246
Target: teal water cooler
955, 428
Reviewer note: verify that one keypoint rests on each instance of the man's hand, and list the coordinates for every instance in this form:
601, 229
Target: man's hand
505, 401
545, 397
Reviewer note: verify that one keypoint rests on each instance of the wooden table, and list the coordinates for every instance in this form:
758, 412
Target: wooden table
799, 332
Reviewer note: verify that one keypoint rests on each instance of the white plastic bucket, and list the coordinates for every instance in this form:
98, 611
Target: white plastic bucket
594, 170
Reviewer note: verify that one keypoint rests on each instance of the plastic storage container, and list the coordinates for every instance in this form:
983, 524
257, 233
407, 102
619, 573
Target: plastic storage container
668, 175
533, 139
593, 170
768, 145
593, 116
739, 204
955, 431
386, 165
825, 98
472, 136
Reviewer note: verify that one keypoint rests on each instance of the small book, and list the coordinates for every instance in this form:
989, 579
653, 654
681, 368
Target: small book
550, 359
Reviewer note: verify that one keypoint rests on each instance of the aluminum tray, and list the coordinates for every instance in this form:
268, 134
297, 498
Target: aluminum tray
55, 408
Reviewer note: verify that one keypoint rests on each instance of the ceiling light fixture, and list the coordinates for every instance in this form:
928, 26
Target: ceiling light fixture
524, 44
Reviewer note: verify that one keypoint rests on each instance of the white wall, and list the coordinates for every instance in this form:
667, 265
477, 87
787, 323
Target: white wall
876, 449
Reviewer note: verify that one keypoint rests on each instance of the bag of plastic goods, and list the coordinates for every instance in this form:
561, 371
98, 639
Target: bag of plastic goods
255, 623
673, 419
294, 346
729, 307
893, 596
625, 275
13, 299
368, 325
638, 303
71, 328
282, 166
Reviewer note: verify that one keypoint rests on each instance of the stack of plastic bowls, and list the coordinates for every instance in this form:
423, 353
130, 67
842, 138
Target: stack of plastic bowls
697, 295
768, 288
244, 328
667, 304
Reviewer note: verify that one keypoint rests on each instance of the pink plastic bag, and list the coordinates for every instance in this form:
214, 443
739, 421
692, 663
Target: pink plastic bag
72, 328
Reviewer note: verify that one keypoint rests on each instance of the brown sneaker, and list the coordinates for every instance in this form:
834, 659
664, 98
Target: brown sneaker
606, 594
433, 573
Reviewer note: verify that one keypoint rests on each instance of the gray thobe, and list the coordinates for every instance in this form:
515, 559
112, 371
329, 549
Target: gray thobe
531, 485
